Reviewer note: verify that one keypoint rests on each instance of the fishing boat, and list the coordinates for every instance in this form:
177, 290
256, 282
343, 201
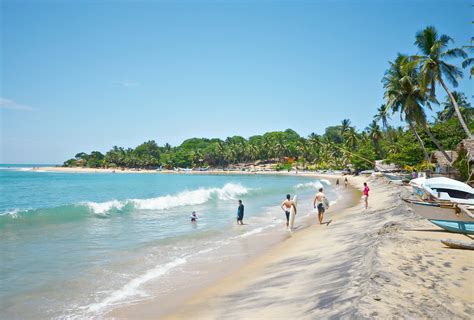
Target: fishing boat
443, 189
450, 216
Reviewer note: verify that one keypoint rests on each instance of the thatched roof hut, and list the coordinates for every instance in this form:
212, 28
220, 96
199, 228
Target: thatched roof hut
442, 164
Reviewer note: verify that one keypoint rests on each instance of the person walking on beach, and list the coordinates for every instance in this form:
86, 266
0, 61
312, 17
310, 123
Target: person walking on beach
318, 202
366, 195
345, 182
240, 213
337, 182
286, 206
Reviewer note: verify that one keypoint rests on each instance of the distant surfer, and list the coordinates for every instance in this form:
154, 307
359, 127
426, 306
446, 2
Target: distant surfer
240, 213
286, 206
194, 217
319, 202
366, 195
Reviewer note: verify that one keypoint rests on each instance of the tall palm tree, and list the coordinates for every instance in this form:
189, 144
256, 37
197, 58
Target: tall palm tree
398, 93
433, 66
412, 99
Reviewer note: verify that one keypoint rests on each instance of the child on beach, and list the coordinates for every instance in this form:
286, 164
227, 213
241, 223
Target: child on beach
366, 195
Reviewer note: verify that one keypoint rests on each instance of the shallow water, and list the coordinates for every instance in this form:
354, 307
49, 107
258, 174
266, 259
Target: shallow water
75, 245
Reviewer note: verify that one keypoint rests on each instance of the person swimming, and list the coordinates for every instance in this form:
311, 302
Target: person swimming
194, 217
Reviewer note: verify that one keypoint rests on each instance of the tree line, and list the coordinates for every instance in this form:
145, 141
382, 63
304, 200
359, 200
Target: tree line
410, 84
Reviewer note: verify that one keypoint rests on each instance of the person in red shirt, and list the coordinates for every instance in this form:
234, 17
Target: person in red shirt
366, 195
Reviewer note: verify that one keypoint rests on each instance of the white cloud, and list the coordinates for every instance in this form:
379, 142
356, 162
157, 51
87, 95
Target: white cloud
13, 105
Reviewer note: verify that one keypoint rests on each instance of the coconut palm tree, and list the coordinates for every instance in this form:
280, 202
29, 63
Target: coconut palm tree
397, 96
433, 67
412, 99
382, 116
345, 124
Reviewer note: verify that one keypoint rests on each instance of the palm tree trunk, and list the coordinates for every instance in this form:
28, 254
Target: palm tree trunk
420, 142
436, 142
456, 107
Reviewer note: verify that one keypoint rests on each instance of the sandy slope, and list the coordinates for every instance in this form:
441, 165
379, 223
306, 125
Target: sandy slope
365, 264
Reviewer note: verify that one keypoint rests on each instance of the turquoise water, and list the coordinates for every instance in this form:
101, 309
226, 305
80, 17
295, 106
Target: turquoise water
75, 245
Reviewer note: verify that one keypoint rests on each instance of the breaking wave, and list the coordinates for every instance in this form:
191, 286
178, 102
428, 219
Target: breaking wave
67, 213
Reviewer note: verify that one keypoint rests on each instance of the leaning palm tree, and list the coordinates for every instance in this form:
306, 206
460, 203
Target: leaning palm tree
400, 96
433, 69
417, 100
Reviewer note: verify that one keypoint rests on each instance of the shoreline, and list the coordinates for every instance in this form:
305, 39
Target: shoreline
158, 307
393, 265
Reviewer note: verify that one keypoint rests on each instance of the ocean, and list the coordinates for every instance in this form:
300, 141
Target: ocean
76, 245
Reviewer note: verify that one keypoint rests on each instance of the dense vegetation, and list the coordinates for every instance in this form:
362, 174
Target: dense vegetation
410, 85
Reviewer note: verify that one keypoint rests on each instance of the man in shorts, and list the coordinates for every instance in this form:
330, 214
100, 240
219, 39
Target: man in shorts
240, 213
286, 206
318, 202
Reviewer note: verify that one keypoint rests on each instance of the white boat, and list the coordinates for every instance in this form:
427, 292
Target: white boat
450, 216
443, 189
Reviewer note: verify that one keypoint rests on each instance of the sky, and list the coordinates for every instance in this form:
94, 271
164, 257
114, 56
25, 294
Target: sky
88, 75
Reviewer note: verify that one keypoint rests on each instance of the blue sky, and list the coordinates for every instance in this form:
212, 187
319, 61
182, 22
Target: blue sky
82, 76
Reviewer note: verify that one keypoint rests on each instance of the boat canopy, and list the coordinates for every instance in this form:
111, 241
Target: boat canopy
446, 183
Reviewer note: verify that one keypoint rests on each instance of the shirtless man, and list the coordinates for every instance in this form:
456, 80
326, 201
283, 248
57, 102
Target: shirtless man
318, 203
286, 206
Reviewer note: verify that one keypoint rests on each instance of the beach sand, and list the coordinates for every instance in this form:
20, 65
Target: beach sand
384, 262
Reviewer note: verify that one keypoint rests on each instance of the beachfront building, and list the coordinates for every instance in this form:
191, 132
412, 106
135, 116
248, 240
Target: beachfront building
442, 166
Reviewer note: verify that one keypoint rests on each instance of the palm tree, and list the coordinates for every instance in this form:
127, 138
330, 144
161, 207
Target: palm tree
351, 138
449, 111
398, 96
433, 67
345, 124
414, 100
382, 116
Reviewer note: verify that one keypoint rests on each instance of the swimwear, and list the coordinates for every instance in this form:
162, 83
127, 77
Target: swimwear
321, 208
287, 213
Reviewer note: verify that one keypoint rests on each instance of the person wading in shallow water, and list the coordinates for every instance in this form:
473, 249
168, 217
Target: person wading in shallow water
286, 206
240, 213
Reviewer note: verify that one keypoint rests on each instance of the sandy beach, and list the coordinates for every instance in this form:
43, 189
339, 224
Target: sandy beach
384, 262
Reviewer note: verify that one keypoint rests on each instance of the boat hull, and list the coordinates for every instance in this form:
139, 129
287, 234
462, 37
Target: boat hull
455, 226
436, 211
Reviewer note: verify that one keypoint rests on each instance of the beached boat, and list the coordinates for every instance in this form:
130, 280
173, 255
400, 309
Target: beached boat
443, 189
447, 215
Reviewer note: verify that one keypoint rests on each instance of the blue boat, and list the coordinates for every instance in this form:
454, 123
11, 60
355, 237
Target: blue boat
455, 226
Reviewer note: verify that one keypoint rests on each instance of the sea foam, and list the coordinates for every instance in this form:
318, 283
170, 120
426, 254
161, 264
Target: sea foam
229, 191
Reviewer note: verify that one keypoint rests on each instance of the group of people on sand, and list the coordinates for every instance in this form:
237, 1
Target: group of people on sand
320, 202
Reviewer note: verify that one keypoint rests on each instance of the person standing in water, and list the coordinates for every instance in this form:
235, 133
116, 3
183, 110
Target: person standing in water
366, 195
194, 217
240, 213
318, 203
286, 206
